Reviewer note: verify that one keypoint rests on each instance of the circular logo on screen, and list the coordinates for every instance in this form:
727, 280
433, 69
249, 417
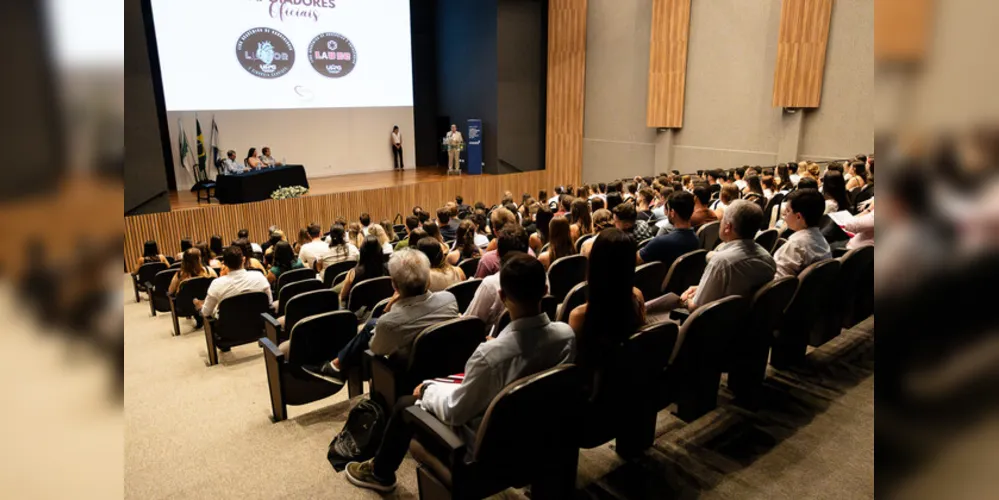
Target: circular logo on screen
265, 53
332, 55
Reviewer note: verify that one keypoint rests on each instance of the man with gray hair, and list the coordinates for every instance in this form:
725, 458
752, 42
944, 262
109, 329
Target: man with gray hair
410, 310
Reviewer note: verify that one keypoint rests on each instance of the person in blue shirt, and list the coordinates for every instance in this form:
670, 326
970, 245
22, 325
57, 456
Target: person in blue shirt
668, 247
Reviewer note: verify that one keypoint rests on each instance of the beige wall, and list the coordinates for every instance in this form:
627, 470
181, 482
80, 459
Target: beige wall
728, 117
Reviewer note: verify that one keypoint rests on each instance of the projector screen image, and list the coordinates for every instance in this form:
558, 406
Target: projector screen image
283, 54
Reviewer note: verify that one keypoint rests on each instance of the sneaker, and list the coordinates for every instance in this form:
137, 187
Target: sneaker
361, 474
327, 372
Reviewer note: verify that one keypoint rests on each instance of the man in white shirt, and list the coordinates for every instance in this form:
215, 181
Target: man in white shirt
807, 245
528, 345
266, 159
740, 182
230, 165
245, 234
487, 303
315, 249
237, 282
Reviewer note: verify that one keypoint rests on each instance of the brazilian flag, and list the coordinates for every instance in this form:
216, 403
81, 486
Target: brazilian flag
200, 176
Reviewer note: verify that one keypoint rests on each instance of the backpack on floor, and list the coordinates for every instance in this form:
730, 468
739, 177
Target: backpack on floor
360, 437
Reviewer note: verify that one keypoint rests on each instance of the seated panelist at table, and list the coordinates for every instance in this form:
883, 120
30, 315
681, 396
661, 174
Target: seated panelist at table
267, 159
230, 165
252, 161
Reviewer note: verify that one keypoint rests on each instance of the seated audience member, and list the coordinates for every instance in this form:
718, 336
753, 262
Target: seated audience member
230, 166
560, 243
481, 228
390, 232
645, 200
502, 220
284, 261
614, 309
464, 244
312, 251
582, 221
378, 231
266, 159
245, 234
338, 251
486, 304
412, 309
191, 267
666, 248
858, 175
597, 204
807, 245
454, 221
602, 219
862, 227
207, 260
276, 236
302, 240
434, 231
529, 344
613, 200
728, 194
792, 170
542, 221
834, 191
216, 246
370, 264
769, 186
185, 245
249, 262
702, 214
151, 253
442, 274
625, 219
412, 222
738, 267
237, 282
365, 221
444, 223
460, 203
355, 235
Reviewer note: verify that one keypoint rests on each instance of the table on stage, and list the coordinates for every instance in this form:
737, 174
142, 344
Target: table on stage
258, 184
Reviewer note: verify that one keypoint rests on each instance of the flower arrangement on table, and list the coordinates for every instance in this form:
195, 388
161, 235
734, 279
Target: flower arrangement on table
285, 193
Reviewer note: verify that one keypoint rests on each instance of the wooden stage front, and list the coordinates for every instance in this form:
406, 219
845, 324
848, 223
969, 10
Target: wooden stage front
186, 200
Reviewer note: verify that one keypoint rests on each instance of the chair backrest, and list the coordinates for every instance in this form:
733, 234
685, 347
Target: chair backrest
706, 334
767, 239
816, 286
292, 290
331, 272
239, 318
176, 265
774, 202
308, 304
464, 292
340, 278
369, 292
194, 288
537, 412
641, 244
161, 282
469, 266
685, 272
443, 349
317, 339
544, 248
582, 239
149, 271
766, 310
777, 244
575, 298
289, 277
708, 235
566, 273
856, 275
549, 306
649, 279
866, 193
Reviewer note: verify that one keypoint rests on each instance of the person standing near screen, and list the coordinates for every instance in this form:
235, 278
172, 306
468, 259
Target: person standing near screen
252, 161
454, 142
396, 142
266, 159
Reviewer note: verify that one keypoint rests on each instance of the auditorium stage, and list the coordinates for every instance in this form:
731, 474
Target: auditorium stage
186, 200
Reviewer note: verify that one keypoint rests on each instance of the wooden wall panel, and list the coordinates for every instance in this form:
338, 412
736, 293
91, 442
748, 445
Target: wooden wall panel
668, 63
801, 53
902, 30
566, 81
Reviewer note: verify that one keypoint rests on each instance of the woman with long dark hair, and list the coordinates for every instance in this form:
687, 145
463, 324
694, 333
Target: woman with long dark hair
434, 231
151, 253
442, 274
215, 245
614, 309
284, 260
542, 220
464, 244
858, 175
191, 266
206, 256
582, 223
834, 191
252, 160
371, 264
339, 250
560, 242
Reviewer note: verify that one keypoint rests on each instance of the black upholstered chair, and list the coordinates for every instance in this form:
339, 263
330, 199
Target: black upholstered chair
300, 306
649, 279
239, 322
290, 277
527, 437
565, 273
159, 300
575, 298
340, 278
816, 286
707, 234
643, 243
464, 292
866, 193
777, 244
685, 272
144, 275
746, 362
544, 248
438, 351
839, 311
863, 290
368, 293
549, 306
176, 265
331, 272
294, 289
695, 367
769, 218
182, 304
469, 267
767, 239
314, 341
582, 239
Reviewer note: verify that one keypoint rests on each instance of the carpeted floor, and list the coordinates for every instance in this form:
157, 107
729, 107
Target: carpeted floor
197, 432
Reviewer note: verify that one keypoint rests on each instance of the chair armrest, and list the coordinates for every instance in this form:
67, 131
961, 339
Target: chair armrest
270, 349
383, 379
680, 314
272, 327
426, 425
149, 286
